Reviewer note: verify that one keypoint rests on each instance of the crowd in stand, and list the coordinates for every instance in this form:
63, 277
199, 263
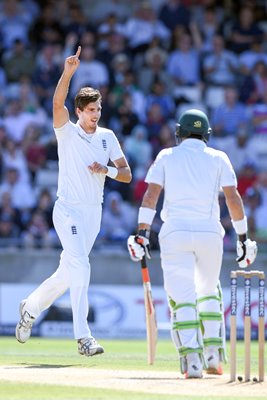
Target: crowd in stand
150, 60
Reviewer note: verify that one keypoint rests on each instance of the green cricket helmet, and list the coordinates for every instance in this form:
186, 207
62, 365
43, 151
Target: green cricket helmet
193, 123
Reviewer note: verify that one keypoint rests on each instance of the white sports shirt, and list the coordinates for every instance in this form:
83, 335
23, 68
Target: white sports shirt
192, 175
76, 151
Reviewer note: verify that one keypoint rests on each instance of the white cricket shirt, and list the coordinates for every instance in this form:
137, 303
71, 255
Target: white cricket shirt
192, 174
76, 151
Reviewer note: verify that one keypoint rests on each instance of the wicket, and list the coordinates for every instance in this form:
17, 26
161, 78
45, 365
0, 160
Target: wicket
247, 275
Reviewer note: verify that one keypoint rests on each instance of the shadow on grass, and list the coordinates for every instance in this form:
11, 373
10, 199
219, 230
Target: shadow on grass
40, 366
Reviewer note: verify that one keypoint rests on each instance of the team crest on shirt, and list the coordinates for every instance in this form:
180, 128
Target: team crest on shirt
74, 230
104, 144
197, 124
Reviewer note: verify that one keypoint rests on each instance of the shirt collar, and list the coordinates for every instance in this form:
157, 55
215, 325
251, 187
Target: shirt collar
83, 133
193, 143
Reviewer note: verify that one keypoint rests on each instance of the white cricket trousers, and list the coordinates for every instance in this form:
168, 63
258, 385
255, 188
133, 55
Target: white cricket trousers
191, 263
77, 227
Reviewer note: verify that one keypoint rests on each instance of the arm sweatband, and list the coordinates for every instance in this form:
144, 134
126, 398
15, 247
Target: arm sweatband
146, 215
112, 172
241, 226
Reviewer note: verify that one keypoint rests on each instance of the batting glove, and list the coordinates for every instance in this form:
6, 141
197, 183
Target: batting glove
138, 246
246, 252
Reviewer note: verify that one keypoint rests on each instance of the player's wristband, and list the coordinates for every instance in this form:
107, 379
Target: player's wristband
241, 226
146, 215
112, 172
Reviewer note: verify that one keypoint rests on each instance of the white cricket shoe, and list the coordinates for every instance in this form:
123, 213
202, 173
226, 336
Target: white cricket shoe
194, 366
89, 347
24, 326
212, 357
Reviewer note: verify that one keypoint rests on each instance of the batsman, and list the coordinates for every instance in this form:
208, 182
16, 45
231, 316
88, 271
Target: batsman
192, 174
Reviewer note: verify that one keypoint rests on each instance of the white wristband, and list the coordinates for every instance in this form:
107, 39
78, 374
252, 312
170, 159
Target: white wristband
241, 226
112, 172
146, 215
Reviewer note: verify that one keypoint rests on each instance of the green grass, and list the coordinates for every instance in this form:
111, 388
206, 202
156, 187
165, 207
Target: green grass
119, 354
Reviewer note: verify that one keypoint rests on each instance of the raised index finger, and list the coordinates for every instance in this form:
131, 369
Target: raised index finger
78, 52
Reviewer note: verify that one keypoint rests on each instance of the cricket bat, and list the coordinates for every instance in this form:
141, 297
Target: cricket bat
151, 322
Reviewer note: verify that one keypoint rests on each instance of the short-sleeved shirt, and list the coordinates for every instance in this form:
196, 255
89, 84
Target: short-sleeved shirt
192, 175
76, 151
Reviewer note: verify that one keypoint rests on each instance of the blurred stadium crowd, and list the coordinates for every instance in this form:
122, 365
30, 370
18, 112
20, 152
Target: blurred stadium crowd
151, 60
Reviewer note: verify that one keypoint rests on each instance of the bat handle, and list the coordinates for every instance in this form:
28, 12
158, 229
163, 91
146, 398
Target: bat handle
143, 262
145, 272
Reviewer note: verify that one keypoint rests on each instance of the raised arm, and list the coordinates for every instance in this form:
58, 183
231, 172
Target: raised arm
60, 111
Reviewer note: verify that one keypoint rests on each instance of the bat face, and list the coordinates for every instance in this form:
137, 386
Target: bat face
151, 324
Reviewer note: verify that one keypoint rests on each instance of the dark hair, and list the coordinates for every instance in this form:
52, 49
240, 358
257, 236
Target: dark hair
85, 96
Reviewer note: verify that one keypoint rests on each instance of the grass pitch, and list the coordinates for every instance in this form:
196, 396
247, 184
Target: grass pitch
52, 369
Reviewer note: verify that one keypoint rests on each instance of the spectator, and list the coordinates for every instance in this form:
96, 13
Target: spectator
9, 233
46, 29
141, 28
198, 10
110, 26
120, 64
34, 151
107, 109
154, 122
44, 205
22, 194
45, 75
166, 136
247, 177
178, 61
240, 150
51, 153
116, 46
15, 21
138, 150
9, 212
259, 125
256, 214
97, 11
229, 118
37, 233
14, 158
139, 186
18, 62
249, 58
173, 13
124, 119
262, 186
128, 86
77, 22
245, 30
16, 120
3, 84
254, 85
205, 30
259, 116
30, 104
221, 65
153, 69
159, 95
165, 139
118, 219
